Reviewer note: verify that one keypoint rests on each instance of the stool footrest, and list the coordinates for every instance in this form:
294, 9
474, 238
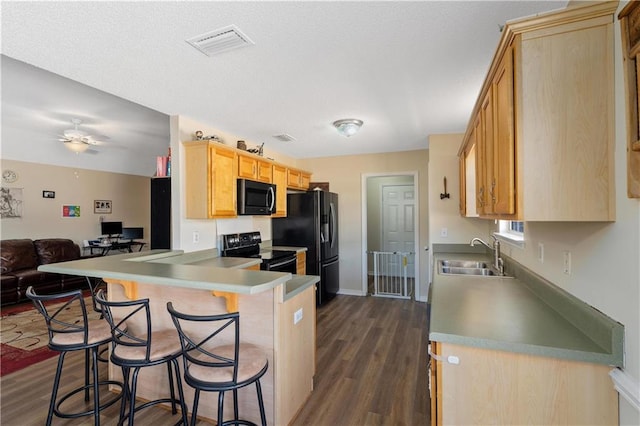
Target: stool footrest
68, 395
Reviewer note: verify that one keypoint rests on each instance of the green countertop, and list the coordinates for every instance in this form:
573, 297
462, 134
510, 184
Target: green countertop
510, 314
201, 270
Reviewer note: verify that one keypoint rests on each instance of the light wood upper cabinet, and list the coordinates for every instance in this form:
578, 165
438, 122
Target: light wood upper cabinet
630, 33
543, 125
502, 189
280, 180
298, 179
211, 171
251, 167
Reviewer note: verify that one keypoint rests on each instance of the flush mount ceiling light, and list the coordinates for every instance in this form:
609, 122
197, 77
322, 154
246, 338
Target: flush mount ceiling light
348, 126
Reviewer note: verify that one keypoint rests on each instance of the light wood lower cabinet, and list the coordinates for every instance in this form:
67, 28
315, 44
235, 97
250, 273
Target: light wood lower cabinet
301, 264
505, 388
295, 354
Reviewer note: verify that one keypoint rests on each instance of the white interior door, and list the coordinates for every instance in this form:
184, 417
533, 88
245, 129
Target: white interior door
398, 222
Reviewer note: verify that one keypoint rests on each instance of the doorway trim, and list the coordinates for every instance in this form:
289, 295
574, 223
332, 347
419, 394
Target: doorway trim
416, 228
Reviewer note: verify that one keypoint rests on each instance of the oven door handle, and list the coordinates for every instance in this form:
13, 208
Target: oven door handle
283, 263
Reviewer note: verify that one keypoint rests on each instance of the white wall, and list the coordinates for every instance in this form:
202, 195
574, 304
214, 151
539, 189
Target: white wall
444, 213
42, 217
344, 175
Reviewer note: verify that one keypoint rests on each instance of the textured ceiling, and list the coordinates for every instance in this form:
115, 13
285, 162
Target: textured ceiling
407, 69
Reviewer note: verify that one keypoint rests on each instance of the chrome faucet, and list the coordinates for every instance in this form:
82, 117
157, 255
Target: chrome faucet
498, 263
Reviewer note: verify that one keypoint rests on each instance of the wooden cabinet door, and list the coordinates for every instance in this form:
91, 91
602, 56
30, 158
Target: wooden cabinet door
253, 168
280, 180
301, 263
486, 130
223, 175
463, 184
293, 178
246, 167
503, 184
264, 171
305, 180
481, 190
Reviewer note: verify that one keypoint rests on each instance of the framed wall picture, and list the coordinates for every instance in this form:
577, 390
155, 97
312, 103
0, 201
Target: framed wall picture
70, 211
101, 206
48, 194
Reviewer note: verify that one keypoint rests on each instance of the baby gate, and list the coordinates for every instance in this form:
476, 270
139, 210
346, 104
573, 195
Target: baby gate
390, 274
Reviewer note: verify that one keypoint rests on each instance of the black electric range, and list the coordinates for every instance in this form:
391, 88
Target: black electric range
247, 244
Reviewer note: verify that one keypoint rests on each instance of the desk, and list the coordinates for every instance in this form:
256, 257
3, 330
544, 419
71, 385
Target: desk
104, 249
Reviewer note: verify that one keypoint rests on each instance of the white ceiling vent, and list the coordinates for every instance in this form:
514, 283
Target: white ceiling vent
220, 40
284, 137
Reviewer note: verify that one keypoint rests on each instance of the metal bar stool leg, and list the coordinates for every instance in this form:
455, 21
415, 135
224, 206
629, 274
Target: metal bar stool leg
96, 386
263, 416
54, 392
194, 412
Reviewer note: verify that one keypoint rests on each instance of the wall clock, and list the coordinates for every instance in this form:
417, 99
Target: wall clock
9, 176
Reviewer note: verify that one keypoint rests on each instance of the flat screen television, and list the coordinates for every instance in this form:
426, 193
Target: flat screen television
132, 233
111, 228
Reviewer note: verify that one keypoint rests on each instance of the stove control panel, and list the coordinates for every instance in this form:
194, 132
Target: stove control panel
244, 239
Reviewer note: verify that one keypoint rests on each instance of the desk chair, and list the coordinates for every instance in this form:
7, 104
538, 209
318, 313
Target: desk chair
74, 333
133, 351
219, 368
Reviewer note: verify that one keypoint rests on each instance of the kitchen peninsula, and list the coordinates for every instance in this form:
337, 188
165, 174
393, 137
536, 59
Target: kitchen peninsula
277, 313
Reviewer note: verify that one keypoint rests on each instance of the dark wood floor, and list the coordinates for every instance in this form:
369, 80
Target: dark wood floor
371, 370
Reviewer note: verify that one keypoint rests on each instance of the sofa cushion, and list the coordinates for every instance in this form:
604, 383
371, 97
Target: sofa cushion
9, 289
16, 255
53, 250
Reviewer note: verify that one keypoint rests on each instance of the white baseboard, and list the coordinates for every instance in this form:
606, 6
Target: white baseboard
627, 387
349, 292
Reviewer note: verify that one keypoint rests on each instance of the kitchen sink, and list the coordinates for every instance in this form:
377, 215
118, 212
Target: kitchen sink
454, 270
467, 267
463, 264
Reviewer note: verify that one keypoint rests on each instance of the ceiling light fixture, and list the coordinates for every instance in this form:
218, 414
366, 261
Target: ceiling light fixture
348, 126
76, 145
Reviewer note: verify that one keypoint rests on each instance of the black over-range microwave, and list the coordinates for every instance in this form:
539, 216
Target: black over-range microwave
256, 198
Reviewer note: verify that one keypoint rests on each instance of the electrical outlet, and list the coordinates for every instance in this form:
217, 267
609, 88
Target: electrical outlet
541, 252
297, 316
444, 232
196, 237
566, 262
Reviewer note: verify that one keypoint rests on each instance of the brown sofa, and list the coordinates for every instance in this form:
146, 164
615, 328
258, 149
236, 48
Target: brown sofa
19, 261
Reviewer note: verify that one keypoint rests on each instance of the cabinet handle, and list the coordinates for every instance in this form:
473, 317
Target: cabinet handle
493, 192
481, 196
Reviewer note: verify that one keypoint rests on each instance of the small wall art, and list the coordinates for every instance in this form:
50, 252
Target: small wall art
101, 206
48, 194
10, 203
70, 211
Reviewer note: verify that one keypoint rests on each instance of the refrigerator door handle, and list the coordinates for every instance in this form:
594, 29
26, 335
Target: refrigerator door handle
332, 213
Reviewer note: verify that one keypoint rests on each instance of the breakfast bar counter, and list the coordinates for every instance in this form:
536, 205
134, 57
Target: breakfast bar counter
277, 313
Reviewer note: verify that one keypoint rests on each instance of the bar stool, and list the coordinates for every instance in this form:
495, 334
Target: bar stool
212, 368
74, 333
133, 350
95, 285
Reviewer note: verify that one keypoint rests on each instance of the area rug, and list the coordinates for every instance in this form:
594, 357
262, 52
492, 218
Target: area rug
23, 335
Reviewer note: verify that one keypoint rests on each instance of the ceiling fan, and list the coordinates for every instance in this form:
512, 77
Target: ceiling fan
77, 140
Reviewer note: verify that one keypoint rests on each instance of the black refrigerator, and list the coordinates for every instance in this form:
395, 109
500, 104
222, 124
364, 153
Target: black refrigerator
312, 222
